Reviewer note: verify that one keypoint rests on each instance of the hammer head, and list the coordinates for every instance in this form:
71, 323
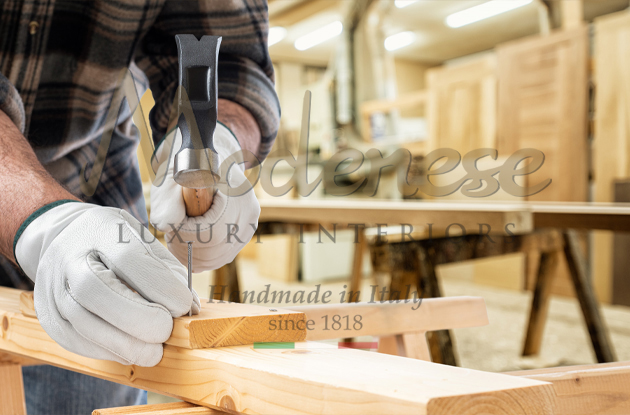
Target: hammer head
196, 168
197, 162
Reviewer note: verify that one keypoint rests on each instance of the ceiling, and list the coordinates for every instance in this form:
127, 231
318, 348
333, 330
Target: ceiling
435, 41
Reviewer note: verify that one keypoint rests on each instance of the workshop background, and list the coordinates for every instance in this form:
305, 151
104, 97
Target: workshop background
466, 74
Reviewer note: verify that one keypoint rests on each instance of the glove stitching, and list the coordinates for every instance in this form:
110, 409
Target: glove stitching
69, 291
149, 303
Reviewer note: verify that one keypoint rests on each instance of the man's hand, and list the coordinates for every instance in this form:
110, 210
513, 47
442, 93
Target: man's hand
104, 286
225, 228
84, 259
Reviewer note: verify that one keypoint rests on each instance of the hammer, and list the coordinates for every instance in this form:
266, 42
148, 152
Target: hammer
196, 164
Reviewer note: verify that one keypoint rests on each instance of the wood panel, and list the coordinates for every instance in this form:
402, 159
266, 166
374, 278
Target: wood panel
217, 325
312, 378
462, 105
543, 95
602, 389
612, 130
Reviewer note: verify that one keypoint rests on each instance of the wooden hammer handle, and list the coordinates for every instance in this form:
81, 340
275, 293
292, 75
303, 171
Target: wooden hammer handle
197, 201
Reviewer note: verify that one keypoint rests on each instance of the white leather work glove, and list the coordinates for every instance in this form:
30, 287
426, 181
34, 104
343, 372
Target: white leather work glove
86, 262
225, 228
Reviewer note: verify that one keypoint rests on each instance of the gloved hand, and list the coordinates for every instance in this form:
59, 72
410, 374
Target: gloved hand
86, 261
225, 228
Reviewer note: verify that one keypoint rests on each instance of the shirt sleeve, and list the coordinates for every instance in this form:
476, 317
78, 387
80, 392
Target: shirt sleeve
245, 73
11, 103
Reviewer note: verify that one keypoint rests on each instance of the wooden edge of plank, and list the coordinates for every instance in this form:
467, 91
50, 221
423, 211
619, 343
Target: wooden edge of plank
14, 359
571, 372
203, 330
171, 408
599, 389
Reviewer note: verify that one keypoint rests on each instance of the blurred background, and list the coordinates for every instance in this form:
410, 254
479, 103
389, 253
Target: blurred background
467, 74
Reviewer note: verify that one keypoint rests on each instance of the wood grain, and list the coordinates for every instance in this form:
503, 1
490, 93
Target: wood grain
197, 201
310, 379
217, 324
11, 390
602, 389
543, 97
611, 141
462, 105
384, 319
171, 408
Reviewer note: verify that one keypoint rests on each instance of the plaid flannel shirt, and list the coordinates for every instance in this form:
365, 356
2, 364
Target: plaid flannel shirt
59, 66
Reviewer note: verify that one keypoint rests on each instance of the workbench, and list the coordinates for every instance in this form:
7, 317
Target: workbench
514, 226
317, 378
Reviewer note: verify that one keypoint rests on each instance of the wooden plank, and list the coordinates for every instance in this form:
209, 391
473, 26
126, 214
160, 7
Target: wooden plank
524, 215
11, 390
217, 325
310, 379
383, 319
543, 96
462, 105
171, 408
611, 143
602, 389
440, 214
416, 346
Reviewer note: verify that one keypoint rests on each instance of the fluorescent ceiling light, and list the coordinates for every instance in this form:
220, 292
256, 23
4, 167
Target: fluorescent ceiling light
404, 3
319, 36
483, 11
399, 40
276, 34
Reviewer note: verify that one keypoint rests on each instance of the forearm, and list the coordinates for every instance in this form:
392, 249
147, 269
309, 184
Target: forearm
242, 123
25, 185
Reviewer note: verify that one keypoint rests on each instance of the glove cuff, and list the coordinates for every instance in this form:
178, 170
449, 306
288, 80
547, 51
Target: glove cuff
50, 220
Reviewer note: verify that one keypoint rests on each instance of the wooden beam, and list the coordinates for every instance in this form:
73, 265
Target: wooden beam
219, 324
440, 214
310, 379
540, 302
602, 389
579, 271
11, 390
384, 319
